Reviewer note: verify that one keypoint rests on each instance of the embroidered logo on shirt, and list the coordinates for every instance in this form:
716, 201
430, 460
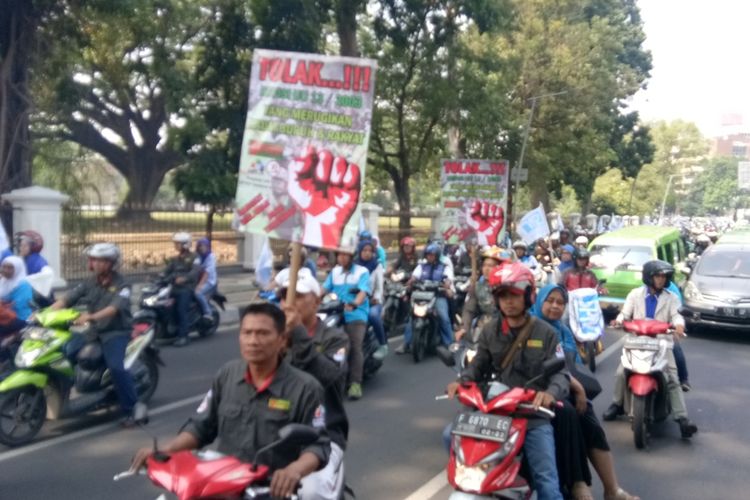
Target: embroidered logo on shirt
206, 401
559, 353
534, 343
124, 293
279, 404
319, 419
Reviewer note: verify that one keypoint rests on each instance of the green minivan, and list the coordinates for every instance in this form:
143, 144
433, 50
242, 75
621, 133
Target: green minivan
618, 258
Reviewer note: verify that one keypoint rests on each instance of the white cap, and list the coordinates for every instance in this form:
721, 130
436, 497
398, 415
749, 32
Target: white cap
306, 283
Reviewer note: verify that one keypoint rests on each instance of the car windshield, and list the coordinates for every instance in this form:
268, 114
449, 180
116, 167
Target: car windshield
727, 264
611, 256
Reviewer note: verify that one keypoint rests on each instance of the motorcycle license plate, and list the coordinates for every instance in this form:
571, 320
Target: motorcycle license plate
642, 343
482, 426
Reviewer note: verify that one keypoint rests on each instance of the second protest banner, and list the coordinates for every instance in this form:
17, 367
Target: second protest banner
304, 149
474, 200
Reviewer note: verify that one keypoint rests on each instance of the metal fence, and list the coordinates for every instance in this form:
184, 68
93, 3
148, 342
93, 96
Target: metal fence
145, 238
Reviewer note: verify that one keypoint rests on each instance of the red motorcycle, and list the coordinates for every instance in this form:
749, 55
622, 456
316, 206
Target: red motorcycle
193, 475
487, 440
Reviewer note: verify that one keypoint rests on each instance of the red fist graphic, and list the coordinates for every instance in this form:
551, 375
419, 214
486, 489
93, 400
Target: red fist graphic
326, 190
486, 219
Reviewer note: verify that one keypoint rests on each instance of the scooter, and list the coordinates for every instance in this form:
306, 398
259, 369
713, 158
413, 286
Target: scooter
587, 323
645, 356
331, 313
394, 306
462, 282
487, 438
425, 326
156, 308
194, 475
45, 378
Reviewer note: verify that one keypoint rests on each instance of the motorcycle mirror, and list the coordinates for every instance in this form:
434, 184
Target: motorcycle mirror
552, 366
291, 434
446, 356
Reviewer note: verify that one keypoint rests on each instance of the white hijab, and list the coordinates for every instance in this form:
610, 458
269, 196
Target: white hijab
19, 274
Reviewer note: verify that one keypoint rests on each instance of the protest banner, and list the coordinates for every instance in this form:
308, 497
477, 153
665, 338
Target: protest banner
474, 200
304, 149
533, 225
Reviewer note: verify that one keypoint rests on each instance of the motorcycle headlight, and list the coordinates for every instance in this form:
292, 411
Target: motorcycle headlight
399, 276
26, 357
151, 301
470, 353
470, 479
692, 292
38, 333
420, 310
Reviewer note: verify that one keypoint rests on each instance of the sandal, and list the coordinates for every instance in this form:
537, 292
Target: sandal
621, 494
581, 491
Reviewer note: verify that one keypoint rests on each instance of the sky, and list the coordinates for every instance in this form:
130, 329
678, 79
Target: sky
701, 62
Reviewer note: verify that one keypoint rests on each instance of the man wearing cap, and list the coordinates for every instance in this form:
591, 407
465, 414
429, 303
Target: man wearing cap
321, 351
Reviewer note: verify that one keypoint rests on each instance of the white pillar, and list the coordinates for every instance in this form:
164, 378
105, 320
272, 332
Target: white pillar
252, 245
370, 213
40, 209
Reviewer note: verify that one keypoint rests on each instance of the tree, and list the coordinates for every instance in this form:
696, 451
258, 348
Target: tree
715, 191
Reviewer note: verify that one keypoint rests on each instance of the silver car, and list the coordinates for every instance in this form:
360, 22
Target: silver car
717, 293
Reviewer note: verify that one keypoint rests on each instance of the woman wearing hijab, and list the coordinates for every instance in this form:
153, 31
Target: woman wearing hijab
367, 258
207, 284
550, 306
15, 294
566, 258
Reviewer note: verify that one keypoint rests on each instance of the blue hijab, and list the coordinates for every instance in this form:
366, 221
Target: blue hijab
564, 335
371, 264
207, 243
564, 266
34, 263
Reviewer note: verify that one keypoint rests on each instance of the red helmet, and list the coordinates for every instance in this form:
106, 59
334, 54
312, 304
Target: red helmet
407, 240
35, 240
515, 277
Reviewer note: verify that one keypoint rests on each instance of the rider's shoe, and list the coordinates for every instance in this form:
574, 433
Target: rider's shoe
685, 386
207, 318
355, 391
404, 349
181, 342
687, 427
613, 412
381, 352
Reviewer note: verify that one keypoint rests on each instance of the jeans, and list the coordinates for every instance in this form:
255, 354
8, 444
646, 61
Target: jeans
375, 318
203, 295
444, 322
181, 310
681, 362
539, 448
356, 332
113, 350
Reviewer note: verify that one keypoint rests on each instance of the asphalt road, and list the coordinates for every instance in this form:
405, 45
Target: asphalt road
395, 445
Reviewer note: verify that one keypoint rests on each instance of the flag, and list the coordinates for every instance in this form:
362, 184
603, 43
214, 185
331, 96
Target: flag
362, 225
264, 265
5, 248
533, 225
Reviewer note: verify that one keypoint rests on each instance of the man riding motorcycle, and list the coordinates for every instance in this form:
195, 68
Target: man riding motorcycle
654, 301
252, 399
320, 351
522, 253
516, 363
579, 276
107, 299
183, 272
407, 257
433, 269
480, 305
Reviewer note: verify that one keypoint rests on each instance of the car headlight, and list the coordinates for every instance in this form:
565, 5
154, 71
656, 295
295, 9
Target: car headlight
691, 291
420, 310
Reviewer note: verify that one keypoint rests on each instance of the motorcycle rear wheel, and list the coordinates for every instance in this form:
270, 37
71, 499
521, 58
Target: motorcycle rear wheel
640, 422
147, 389
591, 354
419, 342
206, 330
25, 407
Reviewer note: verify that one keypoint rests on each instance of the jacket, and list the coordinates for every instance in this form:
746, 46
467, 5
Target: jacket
185, 265
667, 307
480, 305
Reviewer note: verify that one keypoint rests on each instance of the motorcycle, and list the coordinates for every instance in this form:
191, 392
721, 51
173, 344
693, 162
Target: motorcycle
587, 323
425, 326
193, 475
331, 313
462, 282
45, 378
645, 356
156, 308
487, 438
394, 306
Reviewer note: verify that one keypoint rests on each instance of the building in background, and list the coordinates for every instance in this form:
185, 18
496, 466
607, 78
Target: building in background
734, 139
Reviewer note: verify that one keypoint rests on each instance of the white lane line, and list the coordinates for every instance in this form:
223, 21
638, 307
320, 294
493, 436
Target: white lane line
8, 455
430, 488
440, 481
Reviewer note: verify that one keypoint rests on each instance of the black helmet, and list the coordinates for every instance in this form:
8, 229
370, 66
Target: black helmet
581, 253
654, 267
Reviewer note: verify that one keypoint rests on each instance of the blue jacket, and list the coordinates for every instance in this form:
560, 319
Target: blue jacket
20, 299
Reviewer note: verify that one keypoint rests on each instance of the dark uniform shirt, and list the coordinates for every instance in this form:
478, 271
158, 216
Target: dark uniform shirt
323, 355
245, 419
480, 305
96, 297
185, 265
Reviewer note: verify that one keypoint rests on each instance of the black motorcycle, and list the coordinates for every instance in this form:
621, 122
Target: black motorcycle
425, 325
331, 312
395, 306
157, 307
462, 281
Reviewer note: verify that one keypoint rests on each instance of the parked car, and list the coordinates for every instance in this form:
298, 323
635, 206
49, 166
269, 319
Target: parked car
618, 257
717, 293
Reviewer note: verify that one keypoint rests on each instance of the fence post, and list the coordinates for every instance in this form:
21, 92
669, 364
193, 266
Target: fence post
370, 213
40, 209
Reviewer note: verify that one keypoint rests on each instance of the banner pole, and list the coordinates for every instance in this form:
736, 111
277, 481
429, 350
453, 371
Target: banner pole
294, 265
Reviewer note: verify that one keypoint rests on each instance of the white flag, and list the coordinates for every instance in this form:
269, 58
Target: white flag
264, 265
533, 225
4, 243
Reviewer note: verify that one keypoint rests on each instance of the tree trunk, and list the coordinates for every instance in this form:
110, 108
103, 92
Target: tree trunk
538, 191
210, 222
143, 184
346, 26
17, 33
403, 195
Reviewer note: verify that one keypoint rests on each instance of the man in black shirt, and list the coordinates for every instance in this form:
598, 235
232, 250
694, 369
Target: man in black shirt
183, 272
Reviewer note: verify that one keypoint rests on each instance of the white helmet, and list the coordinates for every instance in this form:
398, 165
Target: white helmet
108, 251
520, 244
582, 240
184, 238
703, 238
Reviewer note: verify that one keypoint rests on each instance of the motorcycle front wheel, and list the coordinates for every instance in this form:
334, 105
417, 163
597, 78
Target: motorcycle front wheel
591, 349
640, 421
419, 340
22, 414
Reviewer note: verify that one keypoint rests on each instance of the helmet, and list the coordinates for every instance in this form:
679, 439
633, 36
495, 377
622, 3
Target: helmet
432, 248
407, 240
581, 253
519, 244
582, 240
108, 251
515, 277
365, 235
703, 238
564, 231
496, 253
183, 238
34, 239
654, 267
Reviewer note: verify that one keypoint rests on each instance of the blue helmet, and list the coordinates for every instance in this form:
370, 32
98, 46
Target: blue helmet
365, 235
432, 248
